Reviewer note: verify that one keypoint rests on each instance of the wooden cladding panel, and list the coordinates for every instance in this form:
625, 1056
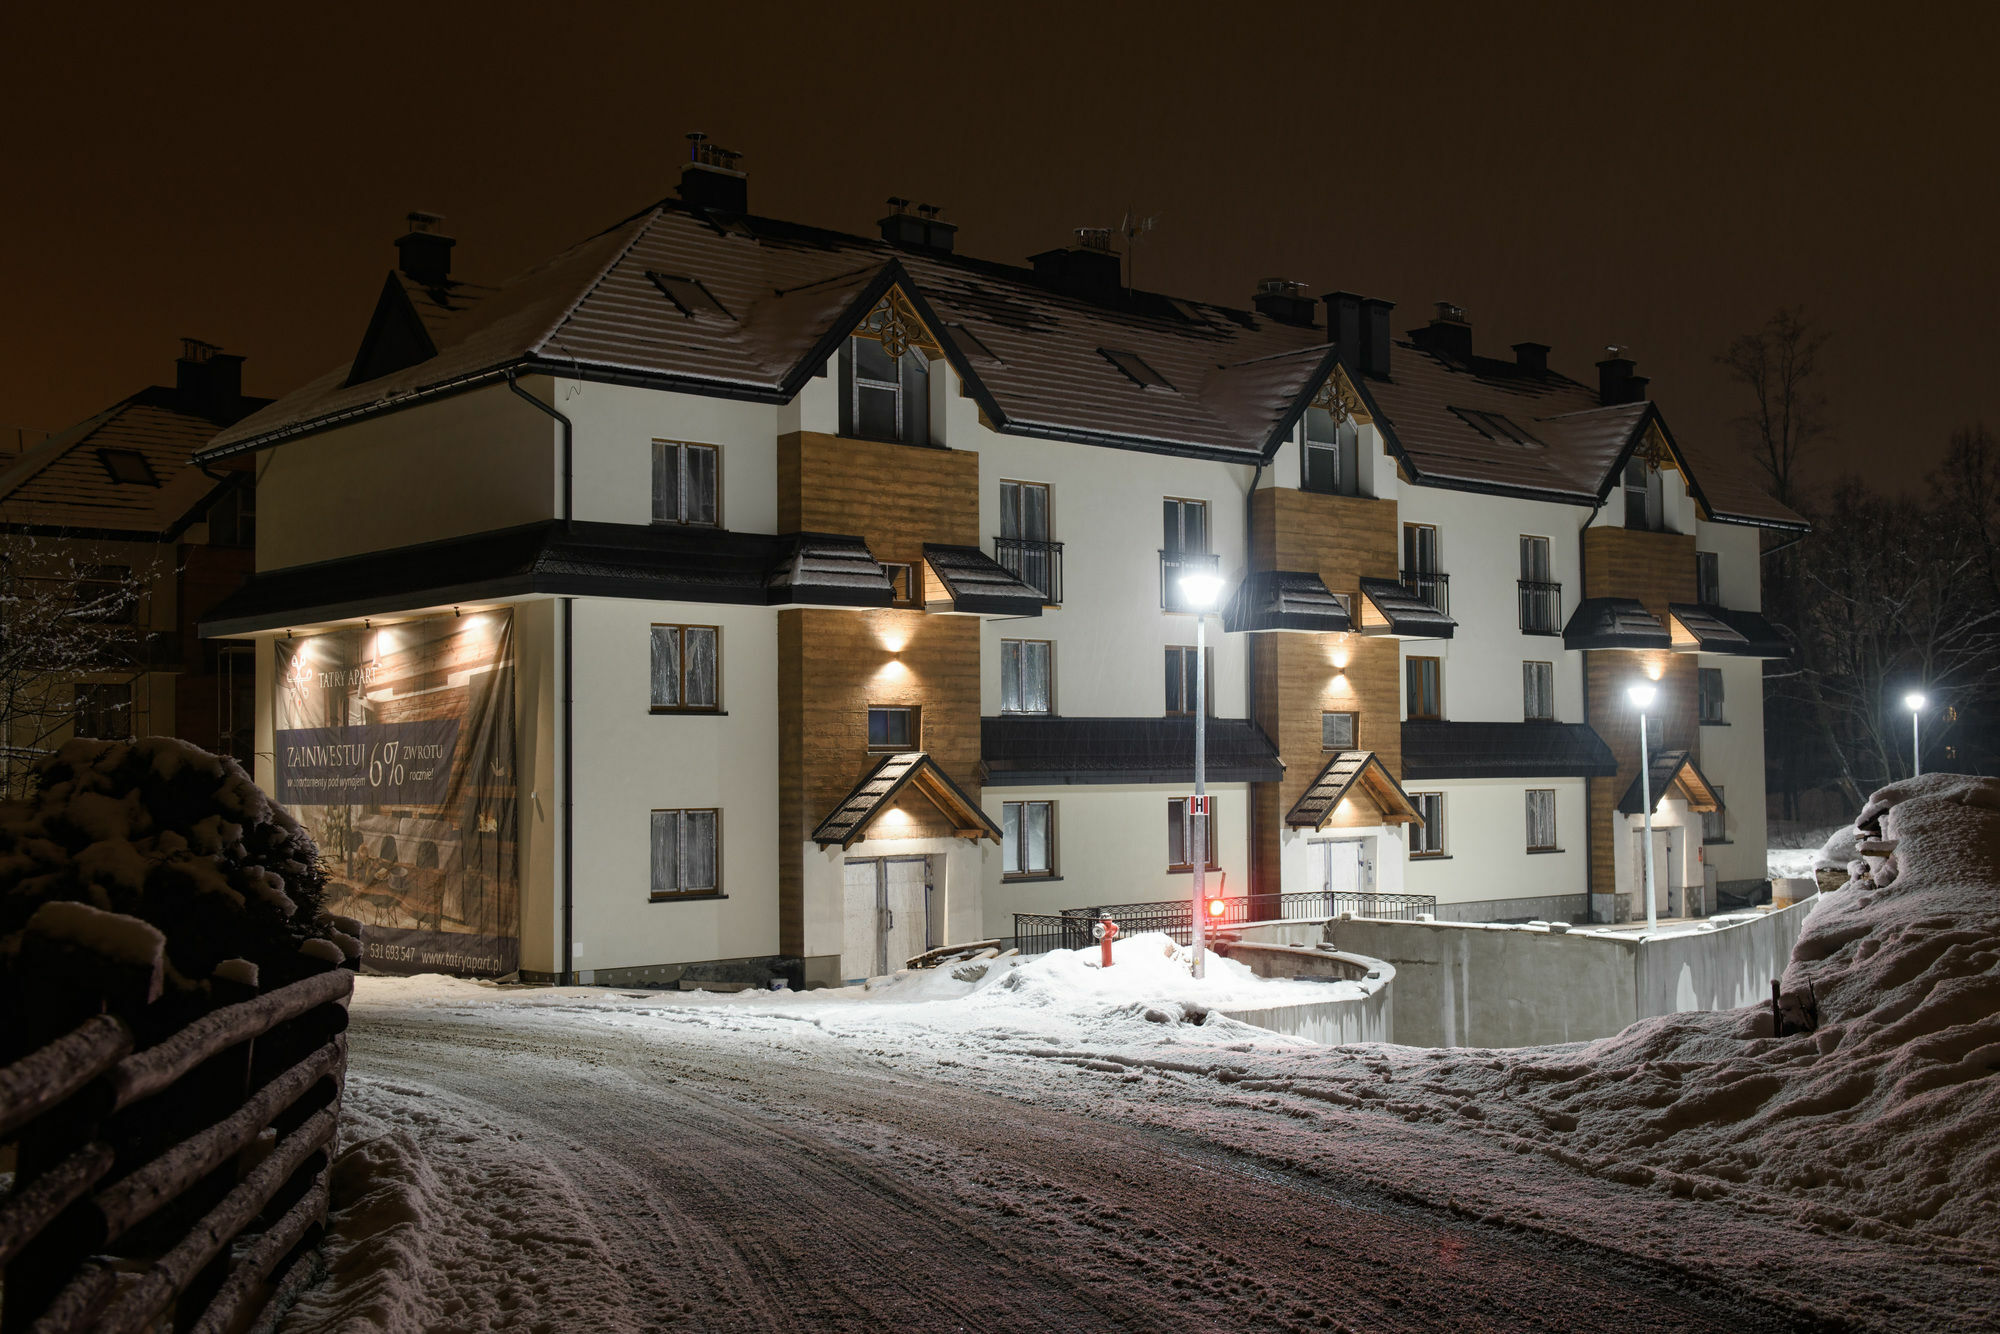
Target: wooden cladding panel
1656, 569
1607, 673
893, 497
1342, 539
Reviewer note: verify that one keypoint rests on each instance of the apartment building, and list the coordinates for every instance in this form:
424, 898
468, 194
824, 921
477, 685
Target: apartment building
117, 544
733, 594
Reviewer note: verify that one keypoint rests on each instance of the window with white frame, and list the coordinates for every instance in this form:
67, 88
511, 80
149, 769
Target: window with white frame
884, 397
1339, 730
1330, 454
1028, 837
1538, 692
1027, 677
1709, 692
686, 666
1183, 548
1541, 820
1181, 835
894, 727
686, 853
686, 483
1427, 838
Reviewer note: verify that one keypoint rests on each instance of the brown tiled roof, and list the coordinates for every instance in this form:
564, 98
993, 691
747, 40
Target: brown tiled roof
1040, 362
65, 482
1334, 781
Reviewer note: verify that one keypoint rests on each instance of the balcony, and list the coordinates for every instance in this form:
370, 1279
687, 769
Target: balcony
1036, 563
1428, 586
1541, 607
1175, 564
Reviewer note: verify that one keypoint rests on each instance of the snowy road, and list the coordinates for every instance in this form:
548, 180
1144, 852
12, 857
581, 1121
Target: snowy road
665, 1168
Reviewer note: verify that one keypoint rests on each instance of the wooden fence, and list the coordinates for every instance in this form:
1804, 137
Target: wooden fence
167, 1179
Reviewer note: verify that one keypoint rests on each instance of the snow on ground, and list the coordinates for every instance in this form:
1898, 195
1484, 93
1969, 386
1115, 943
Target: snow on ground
1855, 1164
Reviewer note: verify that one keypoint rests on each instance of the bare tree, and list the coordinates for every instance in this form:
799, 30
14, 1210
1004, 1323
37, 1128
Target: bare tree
64, 615
1967, 485
1777, 364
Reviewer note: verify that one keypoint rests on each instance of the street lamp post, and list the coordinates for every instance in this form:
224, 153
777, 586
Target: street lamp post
1641, 696
1199, 589
1914, 702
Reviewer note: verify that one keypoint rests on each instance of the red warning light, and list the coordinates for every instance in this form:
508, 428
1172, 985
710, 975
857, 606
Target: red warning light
1215, 907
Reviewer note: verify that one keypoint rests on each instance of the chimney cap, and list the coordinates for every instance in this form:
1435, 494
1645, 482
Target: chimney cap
1450, 313
423, 223
196, 351
1094, 238
1280, 287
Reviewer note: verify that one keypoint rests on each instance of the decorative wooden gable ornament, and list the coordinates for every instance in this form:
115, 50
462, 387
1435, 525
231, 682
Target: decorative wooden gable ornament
894, 324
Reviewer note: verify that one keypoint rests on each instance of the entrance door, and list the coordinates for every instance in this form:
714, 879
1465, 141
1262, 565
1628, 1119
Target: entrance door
1343, 866
885, 914
1666, 871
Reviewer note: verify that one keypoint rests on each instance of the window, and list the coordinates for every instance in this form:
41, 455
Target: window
1135, 368
1183, 547
693, 300
106, 595
1026, 676
884, 397
1023, 548
1028, 830
903, 585
1538, 692
1541, 820
686, 668
1710, 691
1424, 679
1715, 823
1495, 427
685, 483
1337, 731
1427, 839
685, 854
128, 465
103, 712
1331, 455
1181, 689
1181, 835
1540, 595
1707, 579
232, 519
1024, 511
893, 727
1420, 548
1644, 500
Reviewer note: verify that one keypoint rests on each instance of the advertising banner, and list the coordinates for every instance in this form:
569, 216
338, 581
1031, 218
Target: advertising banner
395, 747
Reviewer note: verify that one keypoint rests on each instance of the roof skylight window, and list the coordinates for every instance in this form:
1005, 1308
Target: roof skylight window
1496, 427
128, 465
1135, 369
694, 300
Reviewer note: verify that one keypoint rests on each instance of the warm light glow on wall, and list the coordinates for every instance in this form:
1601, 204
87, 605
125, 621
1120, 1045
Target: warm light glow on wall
896, 818
892, 670
1340, 659
894, 638
1346, 806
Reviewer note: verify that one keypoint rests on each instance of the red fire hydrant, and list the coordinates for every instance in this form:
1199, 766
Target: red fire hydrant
1106, 931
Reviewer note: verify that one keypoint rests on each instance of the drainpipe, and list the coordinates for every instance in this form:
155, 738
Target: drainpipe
1250, 676
1589, 828
566, 966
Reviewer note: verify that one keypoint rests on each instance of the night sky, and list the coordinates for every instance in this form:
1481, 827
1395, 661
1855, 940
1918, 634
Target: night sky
1574, 175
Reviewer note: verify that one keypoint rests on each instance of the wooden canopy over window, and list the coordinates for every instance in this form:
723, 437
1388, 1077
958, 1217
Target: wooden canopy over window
878, 790
1673, 771
1393, 611
1343, 774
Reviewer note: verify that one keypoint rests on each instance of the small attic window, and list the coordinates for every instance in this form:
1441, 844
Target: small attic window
694, 300
971, 344
1496, 427
1135, 369
128, 465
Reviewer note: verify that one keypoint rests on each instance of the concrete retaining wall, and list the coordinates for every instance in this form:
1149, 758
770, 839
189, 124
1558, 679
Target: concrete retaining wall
1367, 1018
1471, 985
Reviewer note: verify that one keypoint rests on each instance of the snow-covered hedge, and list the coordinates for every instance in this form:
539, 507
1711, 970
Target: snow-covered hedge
163, 831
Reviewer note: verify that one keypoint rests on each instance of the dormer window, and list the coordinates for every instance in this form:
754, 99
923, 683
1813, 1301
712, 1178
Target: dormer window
884, 397
1645, 502
1331, 454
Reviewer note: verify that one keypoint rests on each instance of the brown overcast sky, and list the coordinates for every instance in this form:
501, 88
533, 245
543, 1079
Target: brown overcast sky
1656, 176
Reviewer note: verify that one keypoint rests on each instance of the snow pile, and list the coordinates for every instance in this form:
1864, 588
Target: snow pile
1882, 1120
165, 832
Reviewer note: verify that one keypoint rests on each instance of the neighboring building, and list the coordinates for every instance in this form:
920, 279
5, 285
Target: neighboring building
745, 592
111, 522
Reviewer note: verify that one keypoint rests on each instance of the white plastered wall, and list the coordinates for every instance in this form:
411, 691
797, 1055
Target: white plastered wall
630, 762
1111, 847
616, 426
1486, 841
1298, 874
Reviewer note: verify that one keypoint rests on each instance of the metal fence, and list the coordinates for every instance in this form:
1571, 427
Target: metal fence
1038, 564
1038, 933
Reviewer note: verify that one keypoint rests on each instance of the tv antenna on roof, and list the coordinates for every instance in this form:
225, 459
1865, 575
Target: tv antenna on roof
1133, 229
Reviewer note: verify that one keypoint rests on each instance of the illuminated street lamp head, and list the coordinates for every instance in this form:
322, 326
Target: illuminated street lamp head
1641, 694
1914, 700
1201, 588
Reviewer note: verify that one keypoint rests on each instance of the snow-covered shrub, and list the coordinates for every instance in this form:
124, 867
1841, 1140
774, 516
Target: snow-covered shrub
163, 831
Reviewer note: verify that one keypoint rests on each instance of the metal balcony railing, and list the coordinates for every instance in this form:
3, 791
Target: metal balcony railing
1541, 607
1036, 563
1429, 586
1175, 564
1037, 933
